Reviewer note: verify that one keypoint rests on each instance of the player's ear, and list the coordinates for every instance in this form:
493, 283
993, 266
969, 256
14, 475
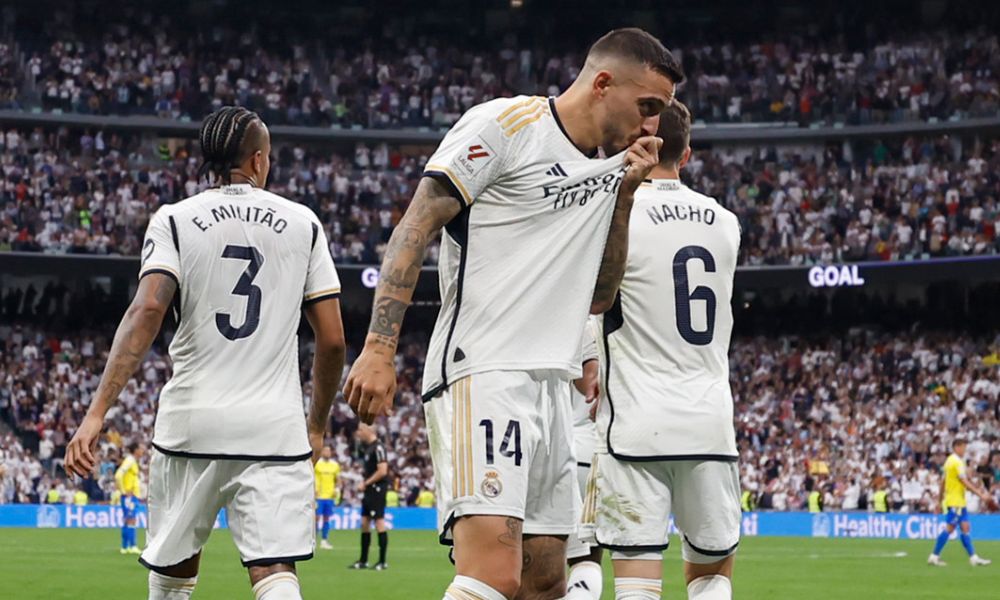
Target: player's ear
684, 159
602, 82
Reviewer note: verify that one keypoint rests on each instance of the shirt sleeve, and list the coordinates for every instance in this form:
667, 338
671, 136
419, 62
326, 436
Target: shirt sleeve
160, 249
380, 454
473, 154
322, 281
588, 344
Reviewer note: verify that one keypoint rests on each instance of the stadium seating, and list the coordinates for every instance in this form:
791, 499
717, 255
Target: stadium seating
129, 64
77, 191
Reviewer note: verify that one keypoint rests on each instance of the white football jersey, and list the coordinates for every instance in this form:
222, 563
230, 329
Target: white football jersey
584, 429
245, 262
518, 265
666, 340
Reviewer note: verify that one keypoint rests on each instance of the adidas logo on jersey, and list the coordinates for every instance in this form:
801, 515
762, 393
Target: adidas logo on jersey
557, 171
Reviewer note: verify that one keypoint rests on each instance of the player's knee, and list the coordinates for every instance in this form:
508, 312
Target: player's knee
164, 587
710, 587
278, 586
696, 570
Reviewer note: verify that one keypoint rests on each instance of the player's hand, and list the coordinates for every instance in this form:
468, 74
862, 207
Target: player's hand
316, 444
80, 458
588, 386
640, 159
371, 384
361, 487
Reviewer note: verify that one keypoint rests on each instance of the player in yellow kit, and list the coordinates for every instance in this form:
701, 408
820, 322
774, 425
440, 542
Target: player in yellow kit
327, 495
127, 481
953, 486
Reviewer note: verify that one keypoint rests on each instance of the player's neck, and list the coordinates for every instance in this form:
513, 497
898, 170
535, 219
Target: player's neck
238, 178
661, 172
574, 114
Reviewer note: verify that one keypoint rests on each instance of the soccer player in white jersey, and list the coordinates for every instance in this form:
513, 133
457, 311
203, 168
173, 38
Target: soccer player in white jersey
666, 415
240, 265
586, 578
532, 216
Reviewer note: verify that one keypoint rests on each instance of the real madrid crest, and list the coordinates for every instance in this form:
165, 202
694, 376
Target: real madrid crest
491, 486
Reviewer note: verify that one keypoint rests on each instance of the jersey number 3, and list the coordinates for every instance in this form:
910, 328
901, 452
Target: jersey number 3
683, 295
244, 287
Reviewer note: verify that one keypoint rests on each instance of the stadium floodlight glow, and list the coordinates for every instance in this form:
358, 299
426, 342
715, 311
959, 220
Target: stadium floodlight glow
516, 3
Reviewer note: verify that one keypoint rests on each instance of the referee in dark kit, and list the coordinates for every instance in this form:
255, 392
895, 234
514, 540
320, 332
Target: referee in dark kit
375, 485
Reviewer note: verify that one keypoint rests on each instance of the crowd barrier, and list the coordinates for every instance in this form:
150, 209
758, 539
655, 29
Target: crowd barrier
917, 526
49, 516
901, 526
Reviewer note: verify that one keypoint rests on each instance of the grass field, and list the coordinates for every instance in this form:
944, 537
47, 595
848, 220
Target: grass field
55, 564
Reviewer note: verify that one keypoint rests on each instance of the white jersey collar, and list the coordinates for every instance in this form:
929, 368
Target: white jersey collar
236, 189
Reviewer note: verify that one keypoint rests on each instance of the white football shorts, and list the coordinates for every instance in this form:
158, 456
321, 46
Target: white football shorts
584, 444
269, 507
628, 505
501, 445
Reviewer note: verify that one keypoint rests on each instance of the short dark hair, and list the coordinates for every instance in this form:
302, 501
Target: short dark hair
675, 131
639, 46
955, 443
132, 447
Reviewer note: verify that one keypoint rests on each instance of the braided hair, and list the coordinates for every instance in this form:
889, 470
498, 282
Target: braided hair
221, 136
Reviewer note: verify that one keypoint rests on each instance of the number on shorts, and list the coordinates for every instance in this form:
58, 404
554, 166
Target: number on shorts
511, 444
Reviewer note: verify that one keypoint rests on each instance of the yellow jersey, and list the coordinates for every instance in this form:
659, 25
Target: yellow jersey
954, 489
127, 476
425, 499
326, 479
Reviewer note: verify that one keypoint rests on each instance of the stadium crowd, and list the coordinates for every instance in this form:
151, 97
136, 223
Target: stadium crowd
846, 415
82, 191
851, 415
131, 63
46, 382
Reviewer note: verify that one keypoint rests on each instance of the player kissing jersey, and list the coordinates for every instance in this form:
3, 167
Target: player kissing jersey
235, 390
520, 261
674, 304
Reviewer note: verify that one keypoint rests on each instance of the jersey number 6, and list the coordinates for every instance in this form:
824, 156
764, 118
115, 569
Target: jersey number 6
683, 295
244, 287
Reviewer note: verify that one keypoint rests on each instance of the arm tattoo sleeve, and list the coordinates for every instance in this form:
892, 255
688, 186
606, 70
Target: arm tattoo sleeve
431, 209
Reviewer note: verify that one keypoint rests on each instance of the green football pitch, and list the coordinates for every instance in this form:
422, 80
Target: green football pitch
53, 564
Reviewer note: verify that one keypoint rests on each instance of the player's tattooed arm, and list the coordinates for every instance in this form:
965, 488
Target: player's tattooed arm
615, 254
133, 338
640, 159
432, 207
371, 384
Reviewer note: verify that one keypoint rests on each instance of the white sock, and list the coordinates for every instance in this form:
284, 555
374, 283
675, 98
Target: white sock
710, 587
467, 588
637, 588
162, 587
585, 581
279, 586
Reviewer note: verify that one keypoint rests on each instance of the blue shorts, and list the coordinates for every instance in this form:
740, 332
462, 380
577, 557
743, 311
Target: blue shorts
324, 508
956, 516
128, 507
